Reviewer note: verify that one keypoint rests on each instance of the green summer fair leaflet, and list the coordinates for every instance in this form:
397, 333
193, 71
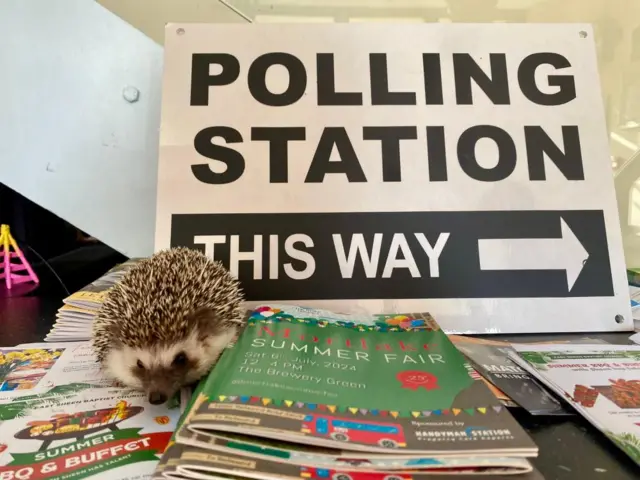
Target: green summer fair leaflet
342, 366
204, 391
201, 394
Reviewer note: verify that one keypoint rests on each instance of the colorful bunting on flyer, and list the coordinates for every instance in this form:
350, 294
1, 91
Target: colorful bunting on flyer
384, 323
358, 411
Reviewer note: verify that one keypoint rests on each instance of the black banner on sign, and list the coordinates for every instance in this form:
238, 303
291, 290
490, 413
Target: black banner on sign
395, 255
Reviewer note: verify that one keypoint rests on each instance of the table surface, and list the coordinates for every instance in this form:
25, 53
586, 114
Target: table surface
570, 448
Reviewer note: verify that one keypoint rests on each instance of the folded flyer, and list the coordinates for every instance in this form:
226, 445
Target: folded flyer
207, 464
308, 388
99, 433
493, 363
303, 456
602, 382
195, 463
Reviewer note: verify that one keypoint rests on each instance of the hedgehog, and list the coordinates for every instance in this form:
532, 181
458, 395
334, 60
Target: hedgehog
165, 323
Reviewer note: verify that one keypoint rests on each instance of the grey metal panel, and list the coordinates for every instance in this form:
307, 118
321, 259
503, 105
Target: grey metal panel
69, 139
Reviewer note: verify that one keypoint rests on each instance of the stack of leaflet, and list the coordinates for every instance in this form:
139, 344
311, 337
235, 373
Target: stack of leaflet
75, 317
491, 359
307, 393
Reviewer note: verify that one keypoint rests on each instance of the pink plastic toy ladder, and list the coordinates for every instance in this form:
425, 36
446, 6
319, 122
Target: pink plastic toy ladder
9, 270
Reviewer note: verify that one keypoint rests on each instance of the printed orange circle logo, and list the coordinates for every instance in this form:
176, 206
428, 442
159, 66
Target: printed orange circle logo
414, 379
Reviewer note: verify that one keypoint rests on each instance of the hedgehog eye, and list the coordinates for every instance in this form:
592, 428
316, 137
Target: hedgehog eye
180, 359
140, 365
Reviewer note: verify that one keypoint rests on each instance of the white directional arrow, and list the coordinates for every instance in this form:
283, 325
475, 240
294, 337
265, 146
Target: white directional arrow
564, 253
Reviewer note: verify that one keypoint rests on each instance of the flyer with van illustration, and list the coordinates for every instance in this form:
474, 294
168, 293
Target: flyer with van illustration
309, 387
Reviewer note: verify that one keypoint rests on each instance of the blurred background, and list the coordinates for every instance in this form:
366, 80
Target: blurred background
91, 54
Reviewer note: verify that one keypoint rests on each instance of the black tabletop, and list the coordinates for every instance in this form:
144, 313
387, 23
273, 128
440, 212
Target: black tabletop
570, 448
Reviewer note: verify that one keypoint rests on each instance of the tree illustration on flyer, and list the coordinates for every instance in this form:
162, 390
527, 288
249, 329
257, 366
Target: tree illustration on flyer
322, 362
22, 405
628, 442
102, 431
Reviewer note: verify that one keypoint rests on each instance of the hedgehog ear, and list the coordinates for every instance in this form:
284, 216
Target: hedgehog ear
207, 323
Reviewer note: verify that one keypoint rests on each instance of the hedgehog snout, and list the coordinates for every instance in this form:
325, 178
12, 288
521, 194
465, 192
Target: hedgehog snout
157, 398
162, 387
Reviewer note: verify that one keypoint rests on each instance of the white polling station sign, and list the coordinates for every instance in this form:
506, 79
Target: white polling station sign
455, 168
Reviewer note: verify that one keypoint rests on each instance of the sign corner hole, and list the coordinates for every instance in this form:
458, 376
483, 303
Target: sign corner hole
180, 31
619, 318
583, 34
